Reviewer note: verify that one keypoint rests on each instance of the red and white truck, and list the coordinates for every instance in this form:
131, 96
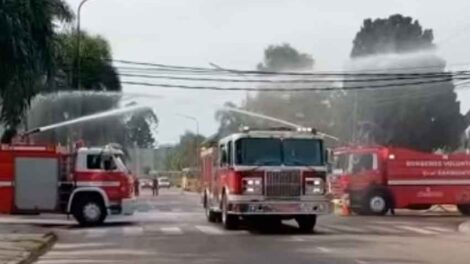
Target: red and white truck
376, 179
89, 183
267, 176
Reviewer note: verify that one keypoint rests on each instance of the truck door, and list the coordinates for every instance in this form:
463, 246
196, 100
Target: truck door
36, 183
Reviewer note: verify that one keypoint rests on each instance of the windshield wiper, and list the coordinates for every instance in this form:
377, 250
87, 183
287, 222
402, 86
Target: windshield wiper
301, 163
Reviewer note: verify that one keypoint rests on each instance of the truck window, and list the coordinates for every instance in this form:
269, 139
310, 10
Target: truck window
302, 152
362, 162
341, 162
93, 161
258, 151
223, 155
229, 153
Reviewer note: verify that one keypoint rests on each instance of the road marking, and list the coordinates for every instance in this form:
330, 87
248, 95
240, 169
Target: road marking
417, 230
100, 253
171, 230
94, 232
440, 229
343, 228
297, 239
76, 261
177, 210
69, 246
358, 261
382, 229
210, 230
323, 229
133, 230
324, 249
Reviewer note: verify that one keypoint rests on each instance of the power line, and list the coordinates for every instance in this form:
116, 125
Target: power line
277, 89
354, 80
158, 66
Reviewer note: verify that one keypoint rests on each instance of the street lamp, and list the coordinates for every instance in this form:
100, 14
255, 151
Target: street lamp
78, 43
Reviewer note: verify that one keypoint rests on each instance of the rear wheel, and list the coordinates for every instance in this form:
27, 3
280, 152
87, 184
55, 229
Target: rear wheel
306, 223
376, 203
464, 209
89, 212
229, 221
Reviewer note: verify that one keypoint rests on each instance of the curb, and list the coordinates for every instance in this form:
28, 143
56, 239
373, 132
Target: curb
464, 227
46, 243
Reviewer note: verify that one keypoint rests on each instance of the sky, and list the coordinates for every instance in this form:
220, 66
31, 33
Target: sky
234, 33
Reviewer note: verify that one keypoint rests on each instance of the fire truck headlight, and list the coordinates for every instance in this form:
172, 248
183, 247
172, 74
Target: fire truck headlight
252, 185
314, 186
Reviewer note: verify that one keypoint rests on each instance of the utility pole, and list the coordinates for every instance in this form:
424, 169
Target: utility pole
354, 119
77, 54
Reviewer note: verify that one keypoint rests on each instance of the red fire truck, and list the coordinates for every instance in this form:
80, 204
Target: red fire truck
377, 179
265, 175
89, 183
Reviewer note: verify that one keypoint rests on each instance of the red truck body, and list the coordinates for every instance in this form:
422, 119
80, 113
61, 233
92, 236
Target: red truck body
377, 179
89, 183
264, 174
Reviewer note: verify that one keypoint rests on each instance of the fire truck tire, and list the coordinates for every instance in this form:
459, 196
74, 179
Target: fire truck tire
377, 202
212, 217
89, 212
464, 209
306, 223
229, 221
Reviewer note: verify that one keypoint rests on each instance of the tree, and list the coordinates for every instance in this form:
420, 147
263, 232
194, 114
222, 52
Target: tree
26, 52
311, 109
284, 57
395, 34
186, 153
96, 70
423, 117
140, 129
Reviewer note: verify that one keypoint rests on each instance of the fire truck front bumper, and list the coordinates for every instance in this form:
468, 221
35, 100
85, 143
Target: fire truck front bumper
129, 206
274, 207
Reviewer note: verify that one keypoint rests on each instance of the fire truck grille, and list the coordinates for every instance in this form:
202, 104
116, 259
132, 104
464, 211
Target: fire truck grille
283, 184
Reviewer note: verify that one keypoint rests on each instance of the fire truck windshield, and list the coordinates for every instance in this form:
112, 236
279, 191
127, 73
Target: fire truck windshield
275, 152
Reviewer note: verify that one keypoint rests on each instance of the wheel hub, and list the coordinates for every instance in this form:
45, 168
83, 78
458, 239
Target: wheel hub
92, 212
377, 204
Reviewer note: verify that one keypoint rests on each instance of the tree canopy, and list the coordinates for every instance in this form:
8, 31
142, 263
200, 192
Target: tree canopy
284, 57
303, 108
27, 45
423, 117
395, 34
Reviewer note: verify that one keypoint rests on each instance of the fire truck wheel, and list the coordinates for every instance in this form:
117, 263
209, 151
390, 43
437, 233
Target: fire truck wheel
464, 209
376, 203
211, 216
306, 223
89, 212
229, 221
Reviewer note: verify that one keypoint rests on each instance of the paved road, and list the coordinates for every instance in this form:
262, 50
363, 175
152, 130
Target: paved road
174, 230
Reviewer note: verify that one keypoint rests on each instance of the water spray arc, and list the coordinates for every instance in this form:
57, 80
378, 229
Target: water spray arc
273, 119
88, 118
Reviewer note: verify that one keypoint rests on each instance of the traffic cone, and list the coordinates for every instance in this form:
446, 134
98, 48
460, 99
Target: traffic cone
345, 208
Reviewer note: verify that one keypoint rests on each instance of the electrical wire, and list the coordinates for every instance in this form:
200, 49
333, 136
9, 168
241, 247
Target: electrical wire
157, 66
354, 80
293, 89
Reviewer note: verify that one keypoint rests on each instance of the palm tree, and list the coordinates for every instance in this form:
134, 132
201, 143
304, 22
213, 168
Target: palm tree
27, 46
